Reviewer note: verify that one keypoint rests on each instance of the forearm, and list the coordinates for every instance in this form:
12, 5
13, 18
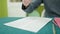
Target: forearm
33, 6
24, 7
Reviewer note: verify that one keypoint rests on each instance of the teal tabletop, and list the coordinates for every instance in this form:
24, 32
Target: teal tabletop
47, 29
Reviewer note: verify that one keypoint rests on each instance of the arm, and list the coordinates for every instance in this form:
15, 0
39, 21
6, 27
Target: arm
33, 5
25, 4
23, 7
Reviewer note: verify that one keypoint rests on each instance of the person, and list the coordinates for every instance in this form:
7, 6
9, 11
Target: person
25, 4
52, 7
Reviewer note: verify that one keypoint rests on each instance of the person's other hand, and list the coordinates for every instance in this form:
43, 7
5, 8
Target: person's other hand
26, 2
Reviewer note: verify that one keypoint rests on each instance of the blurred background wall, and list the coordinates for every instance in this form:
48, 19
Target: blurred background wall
12, 8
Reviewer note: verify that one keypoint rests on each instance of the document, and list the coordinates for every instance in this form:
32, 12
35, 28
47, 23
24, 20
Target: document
32, 24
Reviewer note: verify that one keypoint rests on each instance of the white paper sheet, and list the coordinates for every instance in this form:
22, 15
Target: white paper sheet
33, 24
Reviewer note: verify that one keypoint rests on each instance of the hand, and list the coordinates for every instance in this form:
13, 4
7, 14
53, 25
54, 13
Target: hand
26, 2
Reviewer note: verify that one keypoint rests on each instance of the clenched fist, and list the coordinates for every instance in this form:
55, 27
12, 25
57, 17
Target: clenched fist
26, 2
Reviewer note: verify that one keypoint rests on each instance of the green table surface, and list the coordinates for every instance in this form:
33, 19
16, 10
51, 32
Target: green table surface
47, 29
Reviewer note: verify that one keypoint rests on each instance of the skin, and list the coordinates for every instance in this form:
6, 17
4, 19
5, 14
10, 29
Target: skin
26, 2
